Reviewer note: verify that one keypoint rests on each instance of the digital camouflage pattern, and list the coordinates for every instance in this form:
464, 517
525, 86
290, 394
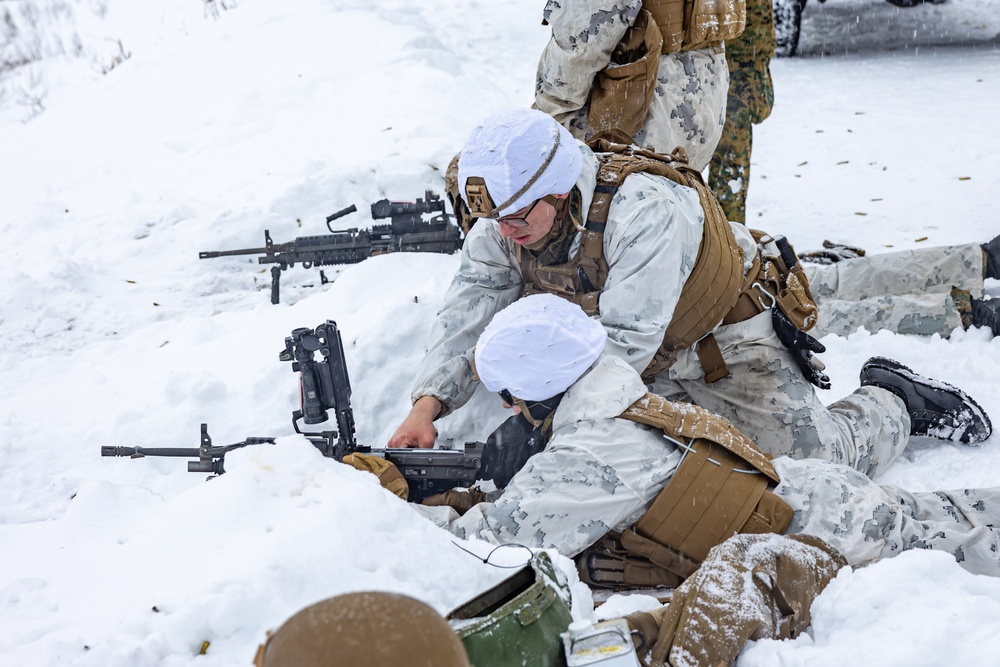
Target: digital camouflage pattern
750, 99
906, 292
689, 104
599, 473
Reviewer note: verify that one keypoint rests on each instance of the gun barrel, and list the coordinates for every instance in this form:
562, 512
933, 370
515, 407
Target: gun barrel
137, 452
231, 253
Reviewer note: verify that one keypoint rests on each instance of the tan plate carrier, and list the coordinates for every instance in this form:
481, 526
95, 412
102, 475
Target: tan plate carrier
721, 487
710, 292
717, 291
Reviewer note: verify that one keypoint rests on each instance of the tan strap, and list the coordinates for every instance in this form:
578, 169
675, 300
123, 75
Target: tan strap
660, 554
684, 420
609, 564
711, 359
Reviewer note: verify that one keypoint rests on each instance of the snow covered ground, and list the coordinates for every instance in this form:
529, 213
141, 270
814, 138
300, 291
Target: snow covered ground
227, 119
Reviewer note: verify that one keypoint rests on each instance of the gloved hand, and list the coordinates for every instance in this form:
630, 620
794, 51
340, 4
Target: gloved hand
803, 348
749, 587
388, 474
833, 253
508, 448
460, 501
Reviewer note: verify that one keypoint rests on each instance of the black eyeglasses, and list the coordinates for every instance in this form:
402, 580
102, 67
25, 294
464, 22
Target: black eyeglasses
507, 398
522, 221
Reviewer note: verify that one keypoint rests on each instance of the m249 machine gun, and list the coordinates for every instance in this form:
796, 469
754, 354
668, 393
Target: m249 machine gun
407, 231
325, 387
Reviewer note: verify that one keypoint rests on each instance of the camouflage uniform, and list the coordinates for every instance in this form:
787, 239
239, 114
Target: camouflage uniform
652, 237
599, 473
751, 96
688, 107
906, 292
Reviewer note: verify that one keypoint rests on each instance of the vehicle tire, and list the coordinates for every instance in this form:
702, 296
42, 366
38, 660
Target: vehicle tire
787, 25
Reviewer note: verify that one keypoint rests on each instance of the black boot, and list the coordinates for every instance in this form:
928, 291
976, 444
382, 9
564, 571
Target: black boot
986, 314
936, 409
992, 250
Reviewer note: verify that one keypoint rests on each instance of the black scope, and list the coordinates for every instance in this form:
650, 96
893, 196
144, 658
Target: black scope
389, 209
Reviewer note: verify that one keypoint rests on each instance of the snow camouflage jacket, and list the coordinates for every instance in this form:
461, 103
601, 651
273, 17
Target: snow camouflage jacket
652, 237
689, 102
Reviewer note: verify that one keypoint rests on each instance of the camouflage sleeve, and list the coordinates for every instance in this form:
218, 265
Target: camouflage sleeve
487, 281
584, 33
652, 239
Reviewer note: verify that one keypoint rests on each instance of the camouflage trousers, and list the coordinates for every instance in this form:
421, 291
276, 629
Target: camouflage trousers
867, 522
751, 96
767, 397
906, 292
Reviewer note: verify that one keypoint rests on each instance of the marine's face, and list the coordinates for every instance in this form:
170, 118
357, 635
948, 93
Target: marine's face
529, 225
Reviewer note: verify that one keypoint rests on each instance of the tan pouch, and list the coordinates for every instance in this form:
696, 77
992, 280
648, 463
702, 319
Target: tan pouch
622, 91
669, 17
771, 515
712, 21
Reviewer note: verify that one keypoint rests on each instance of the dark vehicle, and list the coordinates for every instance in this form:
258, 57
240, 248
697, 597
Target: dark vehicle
788, 21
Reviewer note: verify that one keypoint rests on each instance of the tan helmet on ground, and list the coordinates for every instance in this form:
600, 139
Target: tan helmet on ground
364, 630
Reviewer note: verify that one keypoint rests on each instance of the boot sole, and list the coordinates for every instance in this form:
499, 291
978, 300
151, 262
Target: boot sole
972, 430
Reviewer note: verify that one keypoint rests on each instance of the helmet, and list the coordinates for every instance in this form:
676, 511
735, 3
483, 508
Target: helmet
537, 347
366, 629
514, 158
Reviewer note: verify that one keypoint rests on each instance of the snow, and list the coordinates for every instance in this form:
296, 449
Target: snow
228, 119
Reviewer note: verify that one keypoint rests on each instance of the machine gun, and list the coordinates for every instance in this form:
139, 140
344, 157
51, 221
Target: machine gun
407, 231
324, 387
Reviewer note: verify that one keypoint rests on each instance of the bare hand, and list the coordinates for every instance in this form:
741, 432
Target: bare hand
417, 430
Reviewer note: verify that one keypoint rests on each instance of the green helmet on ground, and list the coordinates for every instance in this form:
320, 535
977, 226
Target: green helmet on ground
362, 630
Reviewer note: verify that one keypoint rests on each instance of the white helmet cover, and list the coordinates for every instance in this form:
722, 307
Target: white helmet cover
537, 347
509, 149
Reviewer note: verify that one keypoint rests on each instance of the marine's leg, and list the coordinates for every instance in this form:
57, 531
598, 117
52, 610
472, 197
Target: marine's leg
729, 171
908, 291
767, 398
867, 522
915, 314
916, 271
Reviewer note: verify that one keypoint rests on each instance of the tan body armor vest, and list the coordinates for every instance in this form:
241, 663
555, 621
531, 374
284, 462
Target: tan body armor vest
720, 488
710, 292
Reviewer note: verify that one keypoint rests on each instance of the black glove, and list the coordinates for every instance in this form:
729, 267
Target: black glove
508, 448
802, 346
